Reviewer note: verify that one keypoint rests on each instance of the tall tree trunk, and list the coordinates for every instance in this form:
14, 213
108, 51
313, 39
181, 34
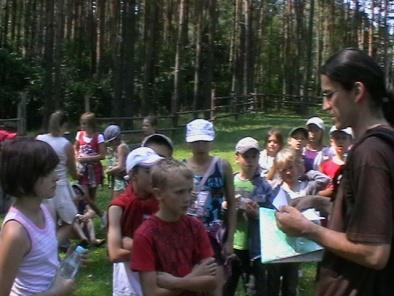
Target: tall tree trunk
209, 63
247, 30
4, 31
235, 47
198, 51
387, 60
309, 45
19, 24
92, 35
371, 29
178, 58
49, 103
151, 32
13, 18
58, 60
100, 38
128, 104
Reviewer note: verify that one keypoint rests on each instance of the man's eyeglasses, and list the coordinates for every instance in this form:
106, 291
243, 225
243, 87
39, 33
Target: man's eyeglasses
327, 95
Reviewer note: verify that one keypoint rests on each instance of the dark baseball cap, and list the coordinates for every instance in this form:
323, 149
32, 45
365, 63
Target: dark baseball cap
299, 129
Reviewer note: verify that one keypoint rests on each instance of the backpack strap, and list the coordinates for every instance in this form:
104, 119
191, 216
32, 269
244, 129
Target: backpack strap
385, 134
208, 172
221, 167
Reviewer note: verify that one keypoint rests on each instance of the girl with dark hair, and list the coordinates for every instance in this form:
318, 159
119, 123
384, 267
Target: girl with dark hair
358, 239
149, 125
273, 143
28, 249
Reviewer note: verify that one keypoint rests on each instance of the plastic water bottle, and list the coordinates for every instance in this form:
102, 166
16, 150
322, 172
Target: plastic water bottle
70, 265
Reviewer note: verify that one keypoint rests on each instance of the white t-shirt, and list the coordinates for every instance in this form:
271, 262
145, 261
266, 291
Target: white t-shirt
59, 144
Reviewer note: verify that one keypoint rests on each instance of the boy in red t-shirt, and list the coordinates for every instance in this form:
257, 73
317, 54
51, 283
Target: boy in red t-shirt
340, 142
125, 214
171, 251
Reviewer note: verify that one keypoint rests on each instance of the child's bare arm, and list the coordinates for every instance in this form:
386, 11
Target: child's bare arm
13, 247
150, 287
116, 251
72, 169
201, 279
93, 158
122, 151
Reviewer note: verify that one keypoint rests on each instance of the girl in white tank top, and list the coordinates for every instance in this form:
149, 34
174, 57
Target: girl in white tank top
28, 245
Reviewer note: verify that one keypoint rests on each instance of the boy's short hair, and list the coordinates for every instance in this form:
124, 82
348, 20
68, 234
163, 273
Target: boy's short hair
165, 170
23, 161
158, 139
245, 144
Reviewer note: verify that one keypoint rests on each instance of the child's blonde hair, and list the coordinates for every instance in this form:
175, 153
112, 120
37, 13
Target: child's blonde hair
165, 169
90, 119
282, 158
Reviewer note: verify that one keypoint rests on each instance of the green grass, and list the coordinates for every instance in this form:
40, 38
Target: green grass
96, 278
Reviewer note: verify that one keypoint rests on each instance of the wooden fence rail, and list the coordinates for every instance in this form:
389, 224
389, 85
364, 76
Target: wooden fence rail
221, 107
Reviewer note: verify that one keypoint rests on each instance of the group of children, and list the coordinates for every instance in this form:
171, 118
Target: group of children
174, 227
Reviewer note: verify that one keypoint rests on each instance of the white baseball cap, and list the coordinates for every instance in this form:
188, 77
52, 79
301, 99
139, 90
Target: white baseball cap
199, 130
143, 156
347, 130
246, 144
316, 121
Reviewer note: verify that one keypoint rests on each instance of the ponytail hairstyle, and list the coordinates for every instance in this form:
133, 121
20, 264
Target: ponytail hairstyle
56, 121
352, 65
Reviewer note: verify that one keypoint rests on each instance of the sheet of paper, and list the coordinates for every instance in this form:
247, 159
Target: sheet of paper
277, 247
312, 215
280, 200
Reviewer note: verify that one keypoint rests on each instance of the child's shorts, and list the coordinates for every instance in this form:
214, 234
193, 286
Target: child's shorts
62, 206
124, 281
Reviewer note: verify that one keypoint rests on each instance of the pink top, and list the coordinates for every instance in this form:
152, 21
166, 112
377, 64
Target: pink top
39, 266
